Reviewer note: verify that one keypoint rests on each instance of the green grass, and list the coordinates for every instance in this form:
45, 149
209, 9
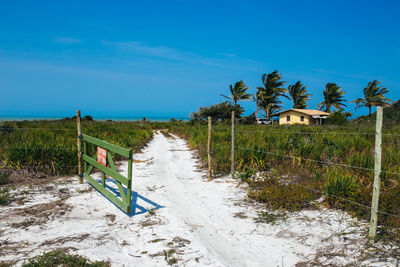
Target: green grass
4, 178
50, 146
297, 155
340, 185
5, 196
268, 217
60, 258
169, 257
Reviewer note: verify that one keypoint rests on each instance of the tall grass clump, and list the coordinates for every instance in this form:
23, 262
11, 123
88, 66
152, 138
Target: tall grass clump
4, 196
339, 185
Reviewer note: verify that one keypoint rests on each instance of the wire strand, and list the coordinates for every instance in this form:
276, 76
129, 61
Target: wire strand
315, 133
41, 166
348, 200
39, 129
38, 148
342, 198
313, 160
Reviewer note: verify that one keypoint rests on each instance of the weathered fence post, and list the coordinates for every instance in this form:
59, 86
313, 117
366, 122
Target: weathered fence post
79, 144
377, 173
233, 144
209, 150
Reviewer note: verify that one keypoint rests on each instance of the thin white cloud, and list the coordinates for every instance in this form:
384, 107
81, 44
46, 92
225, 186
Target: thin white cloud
45, 67
67, 40
226, 54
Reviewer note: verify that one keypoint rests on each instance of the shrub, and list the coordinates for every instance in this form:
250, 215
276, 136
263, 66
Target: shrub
339, 117
251, 119
4, 196
339, 184
246, 175
169, 257
269, 217
4, 178
284, 197
60, 258
222, 111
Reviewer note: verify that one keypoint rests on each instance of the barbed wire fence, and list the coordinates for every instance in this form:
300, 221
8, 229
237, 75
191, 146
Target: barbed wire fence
373, 209
240, 147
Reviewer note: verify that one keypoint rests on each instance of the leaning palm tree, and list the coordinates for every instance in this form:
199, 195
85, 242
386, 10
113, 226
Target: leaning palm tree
256, 99
374, 95
298, 93
238, 92
333, 96
268, 95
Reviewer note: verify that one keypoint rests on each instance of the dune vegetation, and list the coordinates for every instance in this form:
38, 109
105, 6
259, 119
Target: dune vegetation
50, 146
290, 167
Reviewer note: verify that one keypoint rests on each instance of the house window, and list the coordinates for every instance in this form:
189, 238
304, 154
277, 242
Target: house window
287, 118
302, 118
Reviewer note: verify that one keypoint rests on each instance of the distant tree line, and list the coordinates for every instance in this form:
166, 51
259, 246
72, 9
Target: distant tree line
268, 98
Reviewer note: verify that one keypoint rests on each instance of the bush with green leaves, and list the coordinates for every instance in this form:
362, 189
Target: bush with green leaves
4, 196
339, 185
61, 258
221, 111
4, 178
339, 117
283, 197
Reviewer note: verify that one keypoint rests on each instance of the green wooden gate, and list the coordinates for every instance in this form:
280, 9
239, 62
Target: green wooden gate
123, 183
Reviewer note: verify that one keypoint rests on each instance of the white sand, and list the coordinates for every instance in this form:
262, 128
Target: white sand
197, 220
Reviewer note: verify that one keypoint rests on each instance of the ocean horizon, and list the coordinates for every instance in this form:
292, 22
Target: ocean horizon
36, 118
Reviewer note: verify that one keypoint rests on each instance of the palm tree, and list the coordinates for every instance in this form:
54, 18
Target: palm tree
238, 92
256, 100
268, 95
374, 95
333, 96
298, 93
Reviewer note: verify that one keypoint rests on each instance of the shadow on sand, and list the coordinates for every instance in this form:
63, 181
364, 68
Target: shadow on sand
135, 196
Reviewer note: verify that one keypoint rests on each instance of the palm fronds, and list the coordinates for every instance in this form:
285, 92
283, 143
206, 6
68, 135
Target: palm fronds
374, 95
298, 93
238, 92
333, 97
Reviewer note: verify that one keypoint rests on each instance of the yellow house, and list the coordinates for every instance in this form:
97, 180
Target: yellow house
302, 116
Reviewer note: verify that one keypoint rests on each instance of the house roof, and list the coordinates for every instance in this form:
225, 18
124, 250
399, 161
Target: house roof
305, 111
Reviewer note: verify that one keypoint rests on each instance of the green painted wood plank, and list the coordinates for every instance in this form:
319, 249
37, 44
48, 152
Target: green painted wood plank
89, 170
84, 153
124, 206
111, 147
111, 161
114, 174
121, 192
129, 186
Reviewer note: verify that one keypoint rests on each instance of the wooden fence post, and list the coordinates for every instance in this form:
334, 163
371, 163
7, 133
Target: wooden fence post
377, 173
79, 144
209, 150
233, 143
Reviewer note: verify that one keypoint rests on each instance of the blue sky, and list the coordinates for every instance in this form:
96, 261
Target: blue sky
168, 58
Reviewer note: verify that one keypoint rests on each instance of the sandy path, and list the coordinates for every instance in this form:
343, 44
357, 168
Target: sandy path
202, 223
173, 166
